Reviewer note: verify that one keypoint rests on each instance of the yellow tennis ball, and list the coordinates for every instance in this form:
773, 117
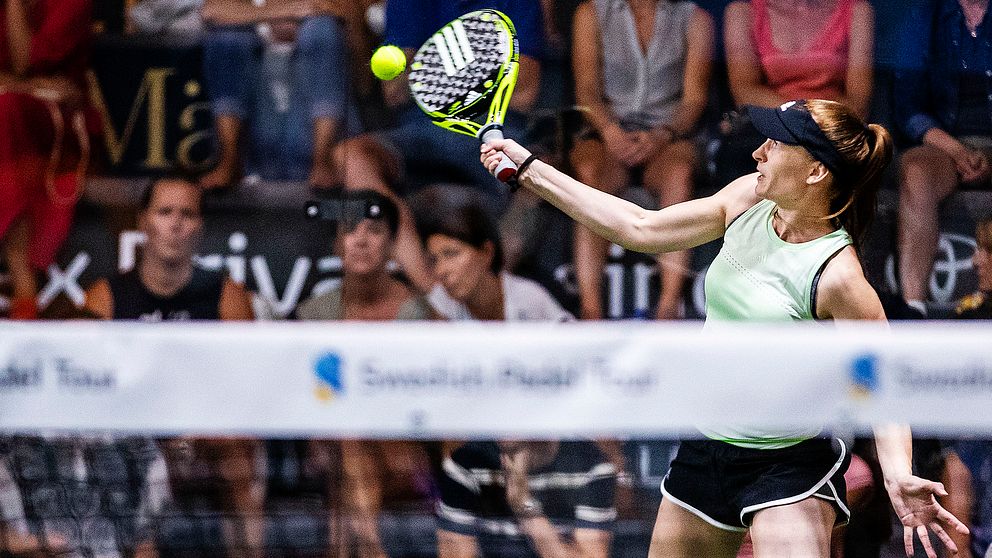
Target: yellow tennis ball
388, 62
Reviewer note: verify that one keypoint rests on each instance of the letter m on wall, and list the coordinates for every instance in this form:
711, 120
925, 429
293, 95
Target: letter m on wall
151, 94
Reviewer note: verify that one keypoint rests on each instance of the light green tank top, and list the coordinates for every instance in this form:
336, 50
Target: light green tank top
757, 276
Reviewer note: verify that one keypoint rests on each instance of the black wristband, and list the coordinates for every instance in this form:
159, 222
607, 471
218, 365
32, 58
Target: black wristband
514, 183
523, 166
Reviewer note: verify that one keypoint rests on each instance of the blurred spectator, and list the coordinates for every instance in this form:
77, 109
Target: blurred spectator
166, 285
514, 498
466, 253
278, 74
368, 291
968, 480
978, 305
379, 160
44, 142
943, 104
372, 470
781, 50
642, 95
80, 497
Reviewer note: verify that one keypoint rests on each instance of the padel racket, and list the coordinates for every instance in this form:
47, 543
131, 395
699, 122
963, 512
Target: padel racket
463, 76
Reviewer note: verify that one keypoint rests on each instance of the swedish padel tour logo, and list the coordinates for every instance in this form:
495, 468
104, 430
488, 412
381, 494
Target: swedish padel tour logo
328, 372
864, 376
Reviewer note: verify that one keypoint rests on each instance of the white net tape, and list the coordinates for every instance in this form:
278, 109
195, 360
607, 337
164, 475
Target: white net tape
439, 380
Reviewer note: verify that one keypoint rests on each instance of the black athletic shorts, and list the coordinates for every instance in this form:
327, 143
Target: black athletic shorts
725, 485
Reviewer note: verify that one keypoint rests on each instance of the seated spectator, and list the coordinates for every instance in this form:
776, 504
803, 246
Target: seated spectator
642, 96
44, 142
978, 305
943, 105
513, 498
368, 291
466, 255
81, 496
166, 285
781, 50
967, 478
278, 78
372, 471
379, 160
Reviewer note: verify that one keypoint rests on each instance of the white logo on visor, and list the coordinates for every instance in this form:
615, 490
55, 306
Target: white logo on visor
785, 106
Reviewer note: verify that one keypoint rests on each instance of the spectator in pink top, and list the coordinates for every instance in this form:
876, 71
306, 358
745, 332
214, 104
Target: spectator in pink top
780, 50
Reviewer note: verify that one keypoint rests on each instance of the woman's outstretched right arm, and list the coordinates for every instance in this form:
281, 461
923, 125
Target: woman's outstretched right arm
676, 227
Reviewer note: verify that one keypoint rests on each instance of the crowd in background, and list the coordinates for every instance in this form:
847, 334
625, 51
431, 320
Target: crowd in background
645, 94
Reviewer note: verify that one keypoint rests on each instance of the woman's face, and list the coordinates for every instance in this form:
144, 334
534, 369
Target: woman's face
366, 247
782, 171
458, 265
172, 222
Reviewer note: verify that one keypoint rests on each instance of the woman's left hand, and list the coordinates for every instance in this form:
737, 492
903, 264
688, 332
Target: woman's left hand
915, 502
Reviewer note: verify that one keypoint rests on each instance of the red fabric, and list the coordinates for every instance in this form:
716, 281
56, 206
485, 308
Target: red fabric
60, 41
23, 309
39, 145
818, 71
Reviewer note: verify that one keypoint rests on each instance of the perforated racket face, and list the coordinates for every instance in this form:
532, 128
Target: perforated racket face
462, 63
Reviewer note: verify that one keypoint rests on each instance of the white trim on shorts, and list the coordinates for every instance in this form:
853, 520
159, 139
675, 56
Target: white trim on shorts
698, 513
808, 493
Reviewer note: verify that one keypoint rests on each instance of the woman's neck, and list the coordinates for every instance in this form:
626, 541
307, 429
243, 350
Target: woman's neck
164, 278
486, 303
365, 289
801, 225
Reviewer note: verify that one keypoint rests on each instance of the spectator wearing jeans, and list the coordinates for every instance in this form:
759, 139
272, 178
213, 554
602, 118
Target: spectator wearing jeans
277, 73
943, 105
379, 160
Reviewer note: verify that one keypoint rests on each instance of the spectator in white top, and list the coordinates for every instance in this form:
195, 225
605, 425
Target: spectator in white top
466, 255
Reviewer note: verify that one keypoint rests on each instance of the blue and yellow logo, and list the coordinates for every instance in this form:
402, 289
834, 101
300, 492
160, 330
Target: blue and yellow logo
864, 376
329, 381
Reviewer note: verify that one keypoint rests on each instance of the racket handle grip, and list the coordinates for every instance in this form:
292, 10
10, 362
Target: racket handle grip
506, 170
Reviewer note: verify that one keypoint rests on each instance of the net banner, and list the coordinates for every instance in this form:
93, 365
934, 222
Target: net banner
431, 380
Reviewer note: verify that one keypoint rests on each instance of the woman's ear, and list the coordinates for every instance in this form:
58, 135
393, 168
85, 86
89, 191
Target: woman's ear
817, 173
489, 250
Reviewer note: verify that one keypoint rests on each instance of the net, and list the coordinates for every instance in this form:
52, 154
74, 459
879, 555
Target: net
332, 439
